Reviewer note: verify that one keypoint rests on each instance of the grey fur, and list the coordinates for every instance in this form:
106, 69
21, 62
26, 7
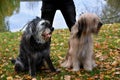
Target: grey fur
35, 47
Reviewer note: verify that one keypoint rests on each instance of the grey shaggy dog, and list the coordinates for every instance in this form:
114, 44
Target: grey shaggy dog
80, 52
35, 47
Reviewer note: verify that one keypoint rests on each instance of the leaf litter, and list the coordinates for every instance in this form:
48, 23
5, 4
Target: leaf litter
106, 48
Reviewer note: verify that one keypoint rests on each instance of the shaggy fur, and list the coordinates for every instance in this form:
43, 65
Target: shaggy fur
34, 47
80, 52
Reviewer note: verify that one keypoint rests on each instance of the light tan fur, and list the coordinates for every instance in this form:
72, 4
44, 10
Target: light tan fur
80, 52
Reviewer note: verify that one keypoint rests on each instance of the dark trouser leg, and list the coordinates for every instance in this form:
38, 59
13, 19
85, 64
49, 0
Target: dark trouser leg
69, 14
48, 14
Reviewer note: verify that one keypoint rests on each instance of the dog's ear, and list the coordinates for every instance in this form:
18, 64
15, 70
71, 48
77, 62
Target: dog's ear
37, 17
28, 31
81, 26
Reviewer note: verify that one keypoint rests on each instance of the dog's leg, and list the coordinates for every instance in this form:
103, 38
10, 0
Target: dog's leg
76, 63
73, 59
32, 66
49, 62
73, 51
67, 63
93, 61
87, 63
19, 66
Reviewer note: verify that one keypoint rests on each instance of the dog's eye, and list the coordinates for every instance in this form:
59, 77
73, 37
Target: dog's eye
46, 24
42, 23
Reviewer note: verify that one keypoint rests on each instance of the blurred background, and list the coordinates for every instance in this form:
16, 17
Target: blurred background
14, 14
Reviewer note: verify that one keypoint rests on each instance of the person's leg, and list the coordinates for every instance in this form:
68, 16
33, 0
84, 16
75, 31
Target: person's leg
48, 12
69, 14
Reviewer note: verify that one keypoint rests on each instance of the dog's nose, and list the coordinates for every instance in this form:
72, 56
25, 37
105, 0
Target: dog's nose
100, 24
52, 28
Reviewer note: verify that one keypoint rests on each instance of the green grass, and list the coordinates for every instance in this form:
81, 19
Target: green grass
106, 48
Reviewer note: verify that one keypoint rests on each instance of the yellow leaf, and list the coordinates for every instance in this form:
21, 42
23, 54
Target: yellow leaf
67, 77
7, 50
0, 71
114, 63
117, 73
34, 79
10, 78
118, 40
27, 77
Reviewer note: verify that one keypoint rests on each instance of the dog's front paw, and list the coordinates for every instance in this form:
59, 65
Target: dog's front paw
55, 70
88, 68
66, 64
58, 70
63, 64
19, 67
94, 65
76, 69
13, 61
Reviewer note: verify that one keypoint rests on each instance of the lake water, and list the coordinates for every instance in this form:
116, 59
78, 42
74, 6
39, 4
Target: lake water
27, 10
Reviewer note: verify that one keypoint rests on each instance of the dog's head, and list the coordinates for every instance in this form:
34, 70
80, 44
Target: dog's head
40, 29
97, 23
88, 23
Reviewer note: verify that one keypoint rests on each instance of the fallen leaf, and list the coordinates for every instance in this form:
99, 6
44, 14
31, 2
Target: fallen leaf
90, 79
67, 77
7, 50
114, 63
27, 77
34, 79
117, 73
10, 78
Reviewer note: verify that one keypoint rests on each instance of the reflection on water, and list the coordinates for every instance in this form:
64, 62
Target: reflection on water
27, 11
7, 8
15, 13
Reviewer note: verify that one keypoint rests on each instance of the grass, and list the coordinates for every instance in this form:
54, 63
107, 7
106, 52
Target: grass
106, 48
